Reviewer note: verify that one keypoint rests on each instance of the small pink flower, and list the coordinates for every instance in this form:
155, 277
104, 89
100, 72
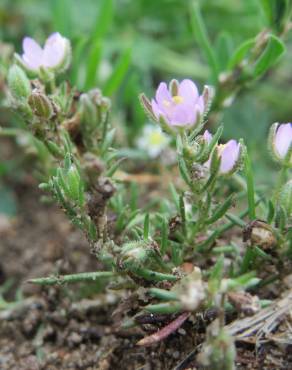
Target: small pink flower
282, 140
54, 54
228, 153
180, 109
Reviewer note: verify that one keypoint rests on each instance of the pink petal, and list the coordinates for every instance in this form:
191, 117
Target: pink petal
32, 55
162, 94
188, 90
229, 156
54, 50
183, 115
283, 139
207, 136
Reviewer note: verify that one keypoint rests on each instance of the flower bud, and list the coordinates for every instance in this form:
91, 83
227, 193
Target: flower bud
93, 107
74, 184
88, 110
134, 254
285, 198
280, 143
18, 83
41, 105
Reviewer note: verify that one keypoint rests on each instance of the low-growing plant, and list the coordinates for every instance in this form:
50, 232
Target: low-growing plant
174, 247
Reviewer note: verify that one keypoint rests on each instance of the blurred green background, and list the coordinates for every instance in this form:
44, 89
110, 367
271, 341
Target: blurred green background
129, 46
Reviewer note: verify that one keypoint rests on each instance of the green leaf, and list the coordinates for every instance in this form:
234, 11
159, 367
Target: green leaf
220, 211
164, 308
146, 226
119, 72
61, 16
267, 6
271, 212
163, 294
175, 195
184, 171
92, 64
272, 53
103, 19
277, 13
78, 56
223, 49
218, 269
240, 53
164, 237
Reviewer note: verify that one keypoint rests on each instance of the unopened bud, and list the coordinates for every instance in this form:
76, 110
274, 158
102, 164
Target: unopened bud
88, 110
18, 83
74, 183
280, 143
41, 105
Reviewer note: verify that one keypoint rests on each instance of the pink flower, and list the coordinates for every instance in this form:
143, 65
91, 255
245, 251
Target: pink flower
228, 153
282, 140
182, 108
54, 55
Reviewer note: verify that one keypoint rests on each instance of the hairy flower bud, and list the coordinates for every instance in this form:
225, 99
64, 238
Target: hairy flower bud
74, 183
280, 143
88, 109
41, 105
18, 83
93, 106
135, 254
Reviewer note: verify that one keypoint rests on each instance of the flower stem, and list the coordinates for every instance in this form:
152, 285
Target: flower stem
280, 182
153, 275
74, 278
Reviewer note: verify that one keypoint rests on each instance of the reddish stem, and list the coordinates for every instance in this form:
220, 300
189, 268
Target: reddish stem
164, 332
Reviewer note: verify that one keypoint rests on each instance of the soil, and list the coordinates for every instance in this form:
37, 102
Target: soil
69, 328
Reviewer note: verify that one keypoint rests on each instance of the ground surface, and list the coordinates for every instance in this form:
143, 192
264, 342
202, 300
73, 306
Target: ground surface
49, 329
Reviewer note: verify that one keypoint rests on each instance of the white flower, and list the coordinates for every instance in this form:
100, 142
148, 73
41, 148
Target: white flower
152, 140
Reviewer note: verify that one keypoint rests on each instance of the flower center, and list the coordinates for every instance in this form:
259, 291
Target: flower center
175, 100
221, 148
155, 138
